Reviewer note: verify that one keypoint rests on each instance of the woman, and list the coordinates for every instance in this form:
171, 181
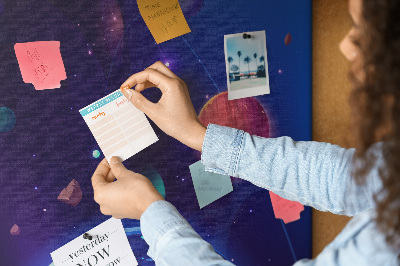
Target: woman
362, 182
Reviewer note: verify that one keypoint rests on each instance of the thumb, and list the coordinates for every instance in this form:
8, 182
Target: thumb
117, 167
138, 100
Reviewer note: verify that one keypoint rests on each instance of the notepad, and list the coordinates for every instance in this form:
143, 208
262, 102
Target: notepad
164, 19
108, 246
119, 128
41, 64
209, 186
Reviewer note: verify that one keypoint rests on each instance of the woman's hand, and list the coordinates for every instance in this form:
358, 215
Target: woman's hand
128, 197
173, 113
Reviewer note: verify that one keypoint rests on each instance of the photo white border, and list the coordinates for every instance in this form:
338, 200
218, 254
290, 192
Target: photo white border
253, 91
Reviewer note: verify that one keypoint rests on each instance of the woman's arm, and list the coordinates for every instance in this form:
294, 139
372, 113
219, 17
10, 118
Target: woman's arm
316, 174
172, 240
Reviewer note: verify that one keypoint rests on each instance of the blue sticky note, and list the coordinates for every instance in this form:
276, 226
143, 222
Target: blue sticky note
209, 186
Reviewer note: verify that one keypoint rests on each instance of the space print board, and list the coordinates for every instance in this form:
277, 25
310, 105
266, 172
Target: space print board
246, 64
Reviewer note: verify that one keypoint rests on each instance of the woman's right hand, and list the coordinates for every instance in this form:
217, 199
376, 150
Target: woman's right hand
173, 113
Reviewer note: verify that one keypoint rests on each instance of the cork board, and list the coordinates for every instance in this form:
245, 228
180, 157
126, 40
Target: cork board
331, 89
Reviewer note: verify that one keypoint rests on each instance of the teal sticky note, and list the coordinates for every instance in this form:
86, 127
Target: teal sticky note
209, 186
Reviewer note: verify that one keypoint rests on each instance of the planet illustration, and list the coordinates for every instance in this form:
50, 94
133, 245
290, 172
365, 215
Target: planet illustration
190, 8
288, 39
96, 154
155, 178
7, 119
246, 114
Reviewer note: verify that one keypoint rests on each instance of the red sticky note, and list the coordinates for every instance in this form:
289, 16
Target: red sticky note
41, 64
288, 211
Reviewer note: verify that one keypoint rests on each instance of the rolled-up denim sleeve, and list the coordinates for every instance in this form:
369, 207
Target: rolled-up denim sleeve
172, 241
313, 173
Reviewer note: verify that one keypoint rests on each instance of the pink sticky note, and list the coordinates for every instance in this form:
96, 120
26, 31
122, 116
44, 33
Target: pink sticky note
288, 211
41, 64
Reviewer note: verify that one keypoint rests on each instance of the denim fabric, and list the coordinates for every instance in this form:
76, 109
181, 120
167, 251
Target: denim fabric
313, 173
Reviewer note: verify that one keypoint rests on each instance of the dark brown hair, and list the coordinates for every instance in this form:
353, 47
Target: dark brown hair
375, 103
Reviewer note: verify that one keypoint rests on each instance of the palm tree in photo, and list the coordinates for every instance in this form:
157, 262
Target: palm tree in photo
262, 59
255, 58
247, 60
239, 54
230, 59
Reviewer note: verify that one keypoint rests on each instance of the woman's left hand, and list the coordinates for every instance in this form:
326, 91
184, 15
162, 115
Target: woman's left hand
127, 197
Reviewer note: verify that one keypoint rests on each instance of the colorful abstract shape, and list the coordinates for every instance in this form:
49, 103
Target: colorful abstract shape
288, 211
72, 194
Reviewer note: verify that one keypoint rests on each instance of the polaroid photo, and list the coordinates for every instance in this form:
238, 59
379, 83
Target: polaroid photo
246, 64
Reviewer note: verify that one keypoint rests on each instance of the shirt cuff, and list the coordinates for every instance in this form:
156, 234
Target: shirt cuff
221, 149
160, 217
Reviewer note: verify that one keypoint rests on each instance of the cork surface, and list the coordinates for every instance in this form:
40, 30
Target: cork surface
331, 89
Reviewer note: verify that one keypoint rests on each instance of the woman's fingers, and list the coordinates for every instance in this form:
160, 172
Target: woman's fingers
110, 177
99, 176
160, 67
159, 80
142, 86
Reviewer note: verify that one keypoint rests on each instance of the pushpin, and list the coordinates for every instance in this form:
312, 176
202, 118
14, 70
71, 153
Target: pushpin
87, 236
246, 36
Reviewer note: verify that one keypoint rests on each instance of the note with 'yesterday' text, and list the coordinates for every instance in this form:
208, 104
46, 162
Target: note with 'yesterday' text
109, 246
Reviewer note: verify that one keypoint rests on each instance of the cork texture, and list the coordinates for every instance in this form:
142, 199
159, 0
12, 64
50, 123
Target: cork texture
331, 109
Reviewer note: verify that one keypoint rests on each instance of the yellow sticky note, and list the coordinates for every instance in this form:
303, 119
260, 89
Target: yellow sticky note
164, 18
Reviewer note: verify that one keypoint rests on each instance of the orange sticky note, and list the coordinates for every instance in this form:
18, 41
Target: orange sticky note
164, 18
41, 64
288, 211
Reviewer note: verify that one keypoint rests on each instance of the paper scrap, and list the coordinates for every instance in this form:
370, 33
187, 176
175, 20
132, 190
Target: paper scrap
109, 246
41, 64
164, 19
119, 128
15, 230
288, 211
72, 194
209, 186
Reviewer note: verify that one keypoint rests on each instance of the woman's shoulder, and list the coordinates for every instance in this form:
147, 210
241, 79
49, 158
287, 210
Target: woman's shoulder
362, 240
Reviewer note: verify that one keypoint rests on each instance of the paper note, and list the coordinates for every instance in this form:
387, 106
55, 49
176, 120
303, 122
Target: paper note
108, 246
209, 186
41, 64
288, 211
164, 19
118, 126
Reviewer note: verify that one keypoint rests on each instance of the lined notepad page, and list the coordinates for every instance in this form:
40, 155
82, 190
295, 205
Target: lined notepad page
118, 126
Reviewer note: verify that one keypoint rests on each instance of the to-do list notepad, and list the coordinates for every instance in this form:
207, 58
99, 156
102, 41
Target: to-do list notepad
118, 126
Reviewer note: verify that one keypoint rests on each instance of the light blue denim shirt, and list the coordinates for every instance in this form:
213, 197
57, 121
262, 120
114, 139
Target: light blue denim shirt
313, 173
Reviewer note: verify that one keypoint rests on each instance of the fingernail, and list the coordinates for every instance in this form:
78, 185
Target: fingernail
125, 88
129, 92
115, 160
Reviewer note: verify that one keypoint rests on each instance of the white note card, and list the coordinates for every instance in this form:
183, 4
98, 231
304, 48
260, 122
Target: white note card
118, 126
109, 247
